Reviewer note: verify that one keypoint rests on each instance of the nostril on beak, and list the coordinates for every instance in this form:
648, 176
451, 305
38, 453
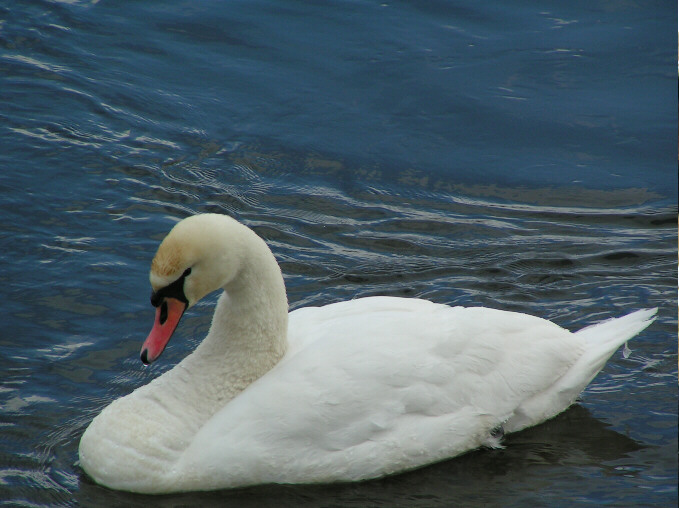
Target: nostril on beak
163, 313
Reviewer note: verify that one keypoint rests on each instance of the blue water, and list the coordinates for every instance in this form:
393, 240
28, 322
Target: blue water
519, 155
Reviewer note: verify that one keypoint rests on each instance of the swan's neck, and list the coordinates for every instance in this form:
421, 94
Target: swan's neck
247, 338
248, 335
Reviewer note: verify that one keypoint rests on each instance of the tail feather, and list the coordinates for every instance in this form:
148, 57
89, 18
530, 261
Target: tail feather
604, 338
601, 341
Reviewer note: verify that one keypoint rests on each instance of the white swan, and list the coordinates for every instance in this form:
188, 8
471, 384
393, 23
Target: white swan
349, 391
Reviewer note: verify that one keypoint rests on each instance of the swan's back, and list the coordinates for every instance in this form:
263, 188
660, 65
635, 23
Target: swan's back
378, 385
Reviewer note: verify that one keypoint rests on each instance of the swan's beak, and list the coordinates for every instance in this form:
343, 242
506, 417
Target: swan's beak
168, 314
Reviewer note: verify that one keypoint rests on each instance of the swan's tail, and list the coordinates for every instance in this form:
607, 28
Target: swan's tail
601, 341
604, 338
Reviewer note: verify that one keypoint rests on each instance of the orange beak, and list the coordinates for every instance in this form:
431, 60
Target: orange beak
168, 314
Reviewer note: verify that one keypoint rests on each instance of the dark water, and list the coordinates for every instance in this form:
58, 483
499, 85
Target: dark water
518, 155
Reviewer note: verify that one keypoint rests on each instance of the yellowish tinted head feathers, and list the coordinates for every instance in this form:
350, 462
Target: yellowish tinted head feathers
168, 259
210, 244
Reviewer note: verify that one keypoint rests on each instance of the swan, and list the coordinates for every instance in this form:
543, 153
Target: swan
349, 391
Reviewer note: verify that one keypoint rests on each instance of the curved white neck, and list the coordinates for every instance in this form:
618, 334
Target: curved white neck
248, 335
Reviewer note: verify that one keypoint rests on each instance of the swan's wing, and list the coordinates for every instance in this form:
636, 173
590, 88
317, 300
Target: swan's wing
378, 385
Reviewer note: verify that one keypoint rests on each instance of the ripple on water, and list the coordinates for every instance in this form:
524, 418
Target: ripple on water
370, 168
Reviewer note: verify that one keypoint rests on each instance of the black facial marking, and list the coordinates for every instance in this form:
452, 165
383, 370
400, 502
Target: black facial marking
174, 290
155, 299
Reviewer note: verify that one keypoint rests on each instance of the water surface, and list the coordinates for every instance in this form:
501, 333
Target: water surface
513, 155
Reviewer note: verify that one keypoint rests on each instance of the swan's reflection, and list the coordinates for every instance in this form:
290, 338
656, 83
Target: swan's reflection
568, 456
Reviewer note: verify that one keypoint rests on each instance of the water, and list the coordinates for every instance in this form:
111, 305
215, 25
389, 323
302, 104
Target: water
514, 155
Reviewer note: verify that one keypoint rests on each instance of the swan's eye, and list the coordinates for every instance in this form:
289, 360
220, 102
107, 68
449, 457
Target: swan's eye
187, 272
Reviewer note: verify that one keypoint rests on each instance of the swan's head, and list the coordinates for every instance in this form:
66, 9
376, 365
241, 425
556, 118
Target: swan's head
199, 255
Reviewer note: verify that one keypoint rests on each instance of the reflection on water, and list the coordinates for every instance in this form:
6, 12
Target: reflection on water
536, 456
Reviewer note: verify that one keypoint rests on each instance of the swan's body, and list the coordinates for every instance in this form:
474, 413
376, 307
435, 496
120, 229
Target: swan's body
349, 391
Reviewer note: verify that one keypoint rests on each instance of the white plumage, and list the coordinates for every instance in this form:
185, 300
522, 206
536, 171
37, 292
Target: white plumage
357, 390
